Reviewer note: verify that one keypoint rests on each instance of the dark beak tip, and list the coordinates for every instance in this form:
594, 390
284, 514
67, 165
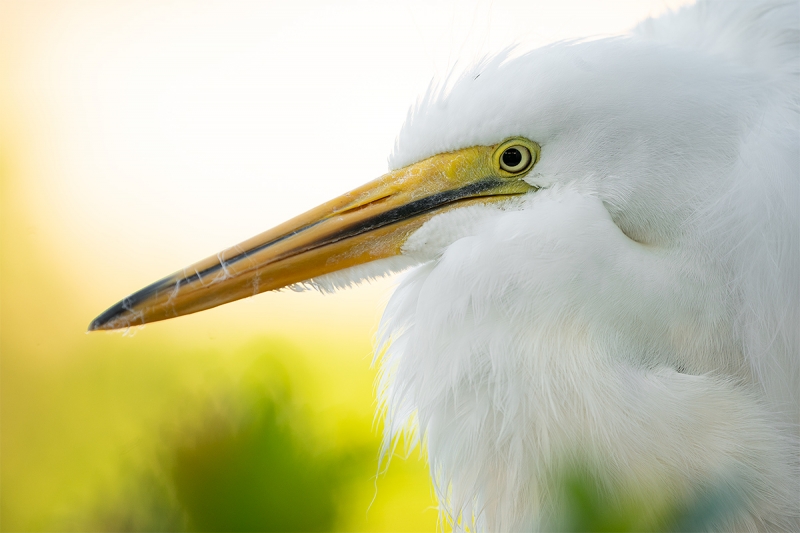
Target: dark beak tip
96, 325
109, 318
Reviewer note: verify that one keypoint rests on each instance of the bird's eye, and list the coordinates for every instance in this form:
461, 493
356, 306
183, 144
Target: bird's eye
515, 159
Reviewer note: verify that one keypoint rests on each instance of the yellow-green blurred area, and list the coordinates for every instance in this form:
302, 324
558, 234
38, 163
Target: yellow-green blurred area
183, 431
187, 430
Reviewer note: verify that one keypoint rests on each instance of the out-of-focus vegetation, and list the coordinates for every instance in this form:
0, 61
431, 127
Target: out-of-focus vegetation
129, 440
123, 443
249, 460
590, 502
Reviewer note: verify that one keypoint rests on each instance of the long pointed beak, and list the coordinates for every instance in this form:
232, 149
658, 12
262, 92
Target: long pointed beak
369, 223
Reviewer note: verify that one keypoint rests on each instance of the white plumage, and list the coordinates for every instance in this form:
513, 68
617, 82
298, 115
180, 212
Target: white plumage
640, 310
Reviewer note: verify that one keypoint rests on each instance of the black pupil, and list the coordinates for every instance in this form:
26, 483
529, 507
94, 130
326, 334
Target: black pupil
512, 157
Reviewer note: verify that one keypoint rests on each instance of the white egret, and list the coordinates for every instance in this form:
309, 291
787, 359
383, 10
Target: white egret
607, 248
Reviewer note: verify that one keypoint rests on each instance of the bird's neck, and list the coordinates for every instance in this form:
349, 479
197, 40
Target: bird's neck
518, 368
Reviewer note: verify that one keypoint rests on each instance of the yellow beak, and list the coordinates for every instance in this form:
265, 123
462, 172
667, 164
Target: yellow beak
368, 223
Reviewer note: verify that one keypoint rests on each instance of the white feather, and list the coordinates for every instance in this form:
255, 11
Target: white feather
640, 310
